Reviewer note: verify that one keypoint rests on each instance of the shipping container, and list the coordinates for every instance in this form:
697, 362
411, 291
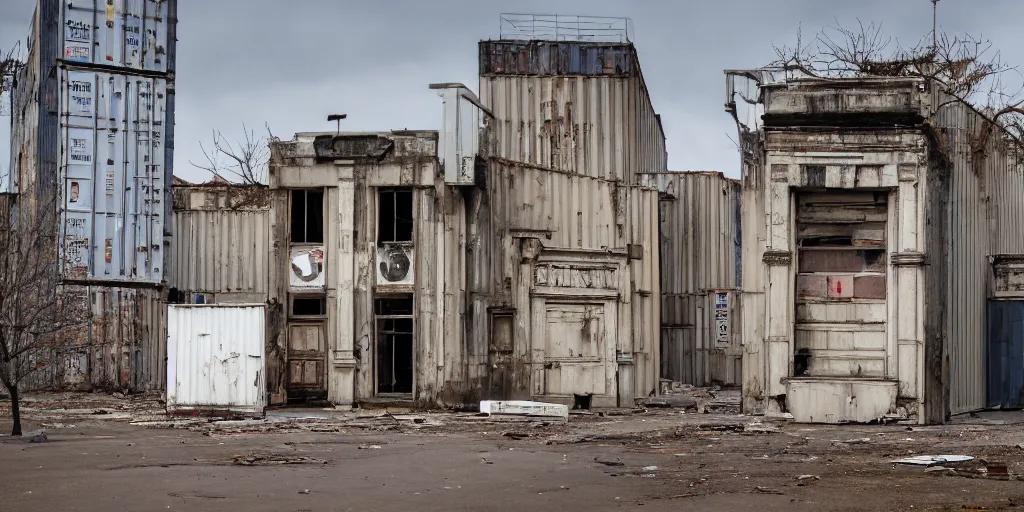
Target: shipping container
130, 34
112, 132
215, 357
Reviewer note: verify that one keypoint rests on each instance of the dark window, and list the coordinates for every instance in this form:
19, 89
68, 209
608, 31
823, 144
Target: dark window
309, 306
391, 306
307, 217
394, 355
394, 215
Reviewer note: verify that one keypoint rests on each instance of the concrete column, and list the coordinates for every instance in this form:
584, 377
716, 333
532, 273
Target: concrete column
341, 382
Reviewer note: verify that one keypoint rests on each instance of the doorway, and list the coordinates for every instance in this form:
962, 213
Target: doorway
394, 352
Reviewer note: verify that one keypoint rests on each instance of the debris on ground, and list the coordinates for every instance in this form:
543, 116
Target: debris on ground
516, 435
767, 490
369, 447
38, 438
524, 408
932, 460
808, 477
758, 427
272, 460
611, 463
701, 400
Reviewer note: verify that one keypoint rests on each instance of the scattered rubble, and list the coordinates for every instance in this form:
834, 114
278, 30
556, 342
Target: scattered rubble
272, 460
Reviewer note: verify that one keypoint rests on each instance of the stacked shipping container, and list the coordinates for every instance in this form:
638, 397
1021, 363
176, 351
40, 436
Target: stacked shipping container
92, 133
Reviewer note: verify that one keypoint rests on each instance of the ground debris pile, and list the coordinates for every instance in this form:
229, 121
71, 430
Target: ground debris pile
700, 400
252, 459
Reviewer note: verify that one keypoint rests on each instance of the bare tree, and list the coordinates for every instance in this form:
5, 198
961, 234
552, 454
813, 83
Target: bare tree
965, 68
244, 161
36, 312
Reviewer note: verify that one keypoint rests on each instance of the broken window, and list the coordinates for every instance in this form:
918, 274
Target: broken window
309, 306
394, 351
307, 222
394, 215
389, 306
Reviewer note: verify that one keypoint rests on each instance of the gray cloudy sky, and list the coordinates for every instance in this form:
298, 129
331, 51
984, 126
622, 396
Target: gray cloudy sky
290, 64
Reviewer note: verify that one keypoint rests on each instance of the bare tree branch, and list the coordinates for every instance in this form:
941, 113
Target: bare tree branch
966, 69
245, 161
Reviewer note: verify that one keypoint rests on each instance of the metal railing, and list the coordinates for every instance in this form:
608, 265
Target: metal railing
557, 27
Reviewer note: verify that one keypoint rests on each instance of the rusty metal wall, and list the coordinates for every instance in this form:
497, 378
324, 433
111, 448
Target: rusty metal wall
602, 127
699, 254
122, 347
221, 251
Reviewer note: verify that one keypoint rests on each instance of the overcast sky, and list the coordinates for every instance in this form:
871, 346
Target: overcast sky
289, 64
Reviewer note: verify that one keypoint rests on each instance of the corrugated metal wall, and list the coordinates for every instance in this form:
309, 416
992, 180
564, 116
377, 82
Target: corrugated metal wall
643, 223
699, 243
216, 357
221, 251
986, 205
582, 119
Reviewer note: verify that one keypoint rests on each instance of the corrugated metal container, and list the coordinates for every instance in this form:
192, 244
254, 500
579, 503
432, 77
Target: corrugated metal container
1005, 354
220, 251
699, 255
113, 168
215, 357
593, 124
130, 34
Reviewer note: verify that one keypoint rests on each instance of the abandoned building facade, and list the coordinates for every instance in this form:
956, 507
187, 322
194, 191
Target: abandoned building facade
512, 255
871, 209
868, 264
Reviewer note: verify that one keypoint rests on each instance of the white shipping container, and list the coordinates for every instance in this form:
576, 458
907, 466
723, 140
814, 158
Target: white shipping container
215, 357
112, 166
122, 33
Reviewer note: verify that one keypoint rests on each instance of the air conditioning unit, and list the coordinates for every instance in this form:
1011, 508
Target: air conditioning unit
395, 264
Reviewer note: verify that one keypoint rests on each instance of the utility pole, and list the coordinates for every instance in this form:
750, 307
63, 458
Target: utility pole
935, 26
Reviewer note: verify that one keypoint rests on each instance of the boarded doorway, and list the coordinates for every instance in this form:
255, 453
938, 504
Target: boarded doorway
574, 357
307, 348
394, 354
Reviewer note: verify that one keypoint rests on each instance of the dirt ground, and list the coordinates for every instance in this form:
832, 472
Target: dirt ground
106, 454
